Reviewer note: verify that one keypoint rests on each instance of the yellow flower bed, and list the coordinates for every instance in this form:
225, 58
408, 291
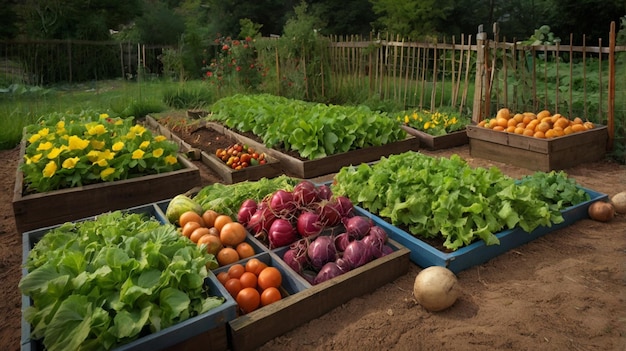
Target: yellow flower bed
68, 150
434, 123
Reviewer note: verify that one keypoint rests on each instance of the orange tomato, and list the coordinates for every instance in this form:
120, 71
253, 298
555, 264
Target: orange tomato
198, 233
248, 280
212, 242
221, 220
189, 216
236, 270
222, 277
248, 299
209, 217
245, 250
255, 266
269, 277
233, 286
227, 256
189, 228
233, 233
270, 295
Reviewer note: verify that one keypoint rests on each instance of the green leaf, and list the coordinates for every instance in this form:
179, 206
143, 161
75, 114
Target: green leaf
71, 324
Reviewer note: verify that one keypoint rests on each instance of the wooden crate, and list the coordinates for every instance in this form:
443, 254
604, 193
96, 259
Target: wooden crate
538, 154
206, 331
40, 210
250, 331
425, 255
314, 168
431, 142
230, 176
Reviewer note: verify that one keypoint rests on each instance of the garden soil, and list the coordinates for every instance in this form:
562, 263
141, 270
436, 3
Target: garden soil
563, 291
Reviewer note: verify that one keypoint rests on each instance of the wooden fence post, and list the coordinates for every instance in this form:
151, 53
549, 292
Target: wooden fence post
611, 101
479, 81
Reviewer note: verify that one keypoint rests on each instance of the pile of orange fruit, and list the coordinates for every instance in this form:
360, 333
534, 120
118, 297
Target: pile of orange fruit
544, 124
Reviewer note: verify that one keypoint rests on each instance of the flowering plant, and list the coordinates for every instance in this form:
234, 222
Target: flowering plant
69, 150
434, 123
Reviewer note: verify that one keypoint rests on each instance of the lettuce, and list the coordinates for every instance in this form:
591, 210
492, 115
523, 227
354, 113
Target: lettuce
101, 283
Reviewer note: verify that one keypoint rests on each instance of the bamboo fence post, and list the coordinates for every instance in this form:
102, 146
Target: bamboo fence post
443, 73
479, 81
276, 58
505, 74
468, 55
585, 73
611, 102
426, 54
433, 90
557, 62
600, 90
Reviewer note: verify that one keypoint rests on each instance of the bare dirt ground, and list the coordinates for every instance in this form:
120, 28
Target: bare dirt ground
563, 291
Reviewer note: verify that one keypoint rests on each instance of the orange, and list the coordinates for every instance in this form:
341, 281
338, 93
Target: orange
209, 217
568, 130
498, 128
189, 228
577, 120
588, 125
519, 130
227, 255
503, 113
270, 295
198, 233
550, 134
269, 277
255, 266
562, 123
189, 216
502, 122
544, 113
518, 117
245, 250
512, 122
577, 127
248, 299
233, 233
213, 243
529, 132
539, 134
220, 221
482, 123
527, 119
542, 127
510, 129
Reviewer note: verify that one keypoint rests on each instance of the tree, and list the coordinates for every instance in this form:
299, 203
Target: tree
160, 25
344, 17
412, 18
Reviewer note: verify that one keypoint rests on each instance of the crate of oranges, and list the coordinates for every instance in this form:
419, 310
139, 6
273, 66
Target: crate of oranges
542, 141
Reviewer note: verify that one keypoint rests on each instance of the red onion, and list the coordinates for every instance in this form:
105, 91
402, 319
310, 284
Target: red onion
282, 202
296, 256
376, 240
305, 193
246, 210
261, 220
309, 224
356, 254
387, 250
343, 265
328, 271
281, 233
345, 206
357, 226
341, 241
324, 192
321, 251
330, 212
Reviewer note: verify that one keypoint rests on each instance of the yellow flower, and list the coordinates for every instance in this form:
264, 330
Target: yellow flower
414, 115
54, 153
33, 159
137, 154
144, 144
426, 125
406, 119
70, 162
97, 144
104, 115
43, 132
102, 162
76, 143
170, 160
157, 152
118, 146
33, 138
106, 172
107, 154
137, 129
93, 155
61, 125
118, 122
97, 130
50, 169
159, 138
44, 146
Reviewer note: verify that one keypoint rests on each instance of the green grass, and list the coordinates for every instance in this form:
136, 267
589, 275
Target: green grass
23, 106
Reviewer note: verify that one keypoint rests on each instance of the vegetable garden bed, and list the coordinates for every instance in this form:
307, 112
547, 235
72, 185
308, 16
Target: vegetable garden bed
438, 142
206, 152
206, 330
538, 154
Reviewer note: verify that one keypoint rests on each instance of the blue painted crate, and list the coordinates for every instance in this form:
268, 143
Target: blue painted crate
212, 323
425, 255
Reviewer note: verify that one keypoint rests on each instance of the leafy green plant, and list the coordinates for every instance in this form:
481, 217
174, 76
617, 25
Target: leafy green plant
69, 150
444, 197
188, 97
101, 283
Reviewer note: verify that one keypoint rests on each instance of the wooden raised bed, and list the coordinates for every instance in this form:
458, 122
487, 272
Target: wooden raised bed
438, 142
333, 163
535, 153
229, 176
34, 211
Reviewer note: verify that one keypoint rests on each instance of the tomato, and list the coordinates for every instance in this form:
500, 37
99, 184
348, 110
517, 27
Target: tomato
189, 228
233, 286
232, 234
223, 277
218, 152
189, 216
214, 231
245, 250
236, 270
270, 295
198, 233
245, 158
248, 299
248, 280
227, 256
212, 242
209, 218
269, 277
220, 221
255, 266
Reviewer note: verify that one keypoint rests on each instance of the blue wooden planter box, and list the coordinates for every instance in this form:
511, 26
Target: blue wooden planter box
425, 255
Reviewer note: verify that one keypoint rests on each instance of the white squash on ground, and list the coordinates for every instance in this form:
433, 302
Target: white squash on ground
436, 288
619, 202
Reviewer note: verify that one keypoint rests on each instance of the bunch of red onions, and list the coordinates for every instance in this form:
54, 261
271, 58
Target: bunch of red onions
328, 256
284, 217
